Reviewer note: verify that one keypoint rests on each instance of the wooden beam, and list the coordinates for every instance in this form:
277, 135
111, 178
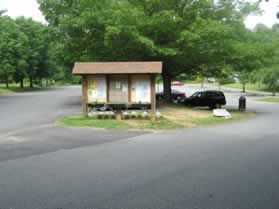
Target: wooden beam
129, 89
153, 96
85, 96
107, 83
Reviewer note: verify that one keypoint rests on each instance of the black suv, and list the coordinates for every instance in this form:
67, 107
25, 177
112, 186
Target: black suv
177, 96
212, 99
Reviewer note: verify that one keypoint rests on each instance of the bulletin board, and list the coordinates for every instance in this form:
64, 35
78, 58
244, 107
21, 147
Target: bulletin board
97, 88
141, 92
118, 89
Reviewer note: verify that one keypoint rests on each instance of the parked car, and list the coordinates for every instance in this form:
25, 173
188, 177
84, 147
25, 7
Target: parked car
212, 99
177, 83
177, 96
211, 80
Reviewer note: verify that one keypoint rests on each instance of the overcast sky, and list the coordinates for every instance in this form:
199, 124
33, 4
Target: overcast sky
30, 8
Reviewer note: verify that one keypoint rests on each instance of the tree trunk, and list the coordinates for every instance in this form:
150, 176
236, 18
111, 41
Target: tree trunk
202, 82
21, 83
243, 87
7, 83
167, 87
31, 82
273, 92
219, 85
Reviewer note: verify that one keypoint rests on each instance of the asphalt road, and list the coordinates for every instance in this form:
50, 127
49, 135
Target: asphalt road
230, 166
27, 125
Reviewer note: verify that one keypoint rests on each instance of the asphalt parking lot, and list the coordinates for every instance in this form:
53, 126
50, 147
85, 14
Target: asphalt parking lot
232, 166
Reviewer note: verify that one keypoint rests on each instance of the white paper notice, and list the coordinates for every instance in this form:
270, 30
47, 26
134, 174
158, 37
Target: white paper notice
141, 91
117, 85
97, 90
125, 88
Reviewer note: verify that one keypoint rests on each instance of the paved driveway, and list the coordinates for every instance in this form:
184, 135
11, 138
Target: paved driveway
27, 124
230, 166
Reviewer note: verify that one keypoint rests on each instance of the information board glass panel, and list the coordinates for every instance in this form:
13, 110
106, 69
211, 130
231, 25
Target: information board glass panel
97, 89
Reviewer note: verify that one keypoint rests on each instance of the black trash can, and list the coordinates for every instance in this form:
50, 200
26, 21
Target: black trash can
242, 103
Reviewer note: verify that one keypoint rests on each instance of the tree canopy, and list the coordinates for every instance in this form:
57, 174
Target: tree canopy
188, 36
25, 51
11, 44
204, 38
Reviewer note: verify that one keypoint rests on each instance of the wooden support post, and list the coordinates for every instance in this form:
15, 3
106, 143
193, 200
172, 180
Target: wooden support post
153, 96
85, 96
129, 89
118, 115
107, 85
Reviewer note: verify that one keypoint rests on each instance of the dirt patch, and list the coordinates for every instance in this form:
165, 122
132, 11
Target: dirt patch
183, 115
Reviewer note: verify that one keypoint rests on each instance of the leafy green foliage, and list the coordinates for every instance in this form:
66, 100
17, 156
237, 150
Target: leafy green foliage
188, 36
270, 78
35, 49
27, 51
202, 38
11, 42
269, 72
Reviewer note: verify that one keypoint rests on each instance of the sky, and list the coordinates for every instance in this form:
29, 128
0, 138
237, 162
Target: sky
268, 17
30, 8
27, 8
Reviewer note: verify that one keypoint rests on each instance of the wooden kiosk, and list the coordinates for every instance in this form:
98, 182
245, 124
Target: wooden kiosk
118, 83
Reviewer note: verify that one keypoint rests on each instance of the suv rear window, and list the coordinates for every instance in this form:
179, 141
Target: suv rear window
214, 93
211, 94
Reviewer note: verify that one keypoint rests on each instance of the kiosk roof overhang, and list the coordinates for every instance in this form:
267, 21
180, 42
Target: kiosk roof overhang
93, 68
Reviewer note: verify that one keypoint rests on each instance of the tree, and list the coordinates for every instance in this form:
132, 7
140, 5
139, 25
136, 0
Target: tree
269, 39
20, 72
143, 30
27, 51
248, 56
2, 11
208, 44
269, 74
270, 78
35, 48
11, 42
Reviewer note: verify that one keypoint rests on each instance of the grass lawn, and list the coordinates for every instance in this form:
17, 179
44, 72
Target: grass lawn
62, 84
6, 91
174, 117
270, 99
92, 122
188, 117
192, 82
114, 124
236, 115
249, 86
14, 88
